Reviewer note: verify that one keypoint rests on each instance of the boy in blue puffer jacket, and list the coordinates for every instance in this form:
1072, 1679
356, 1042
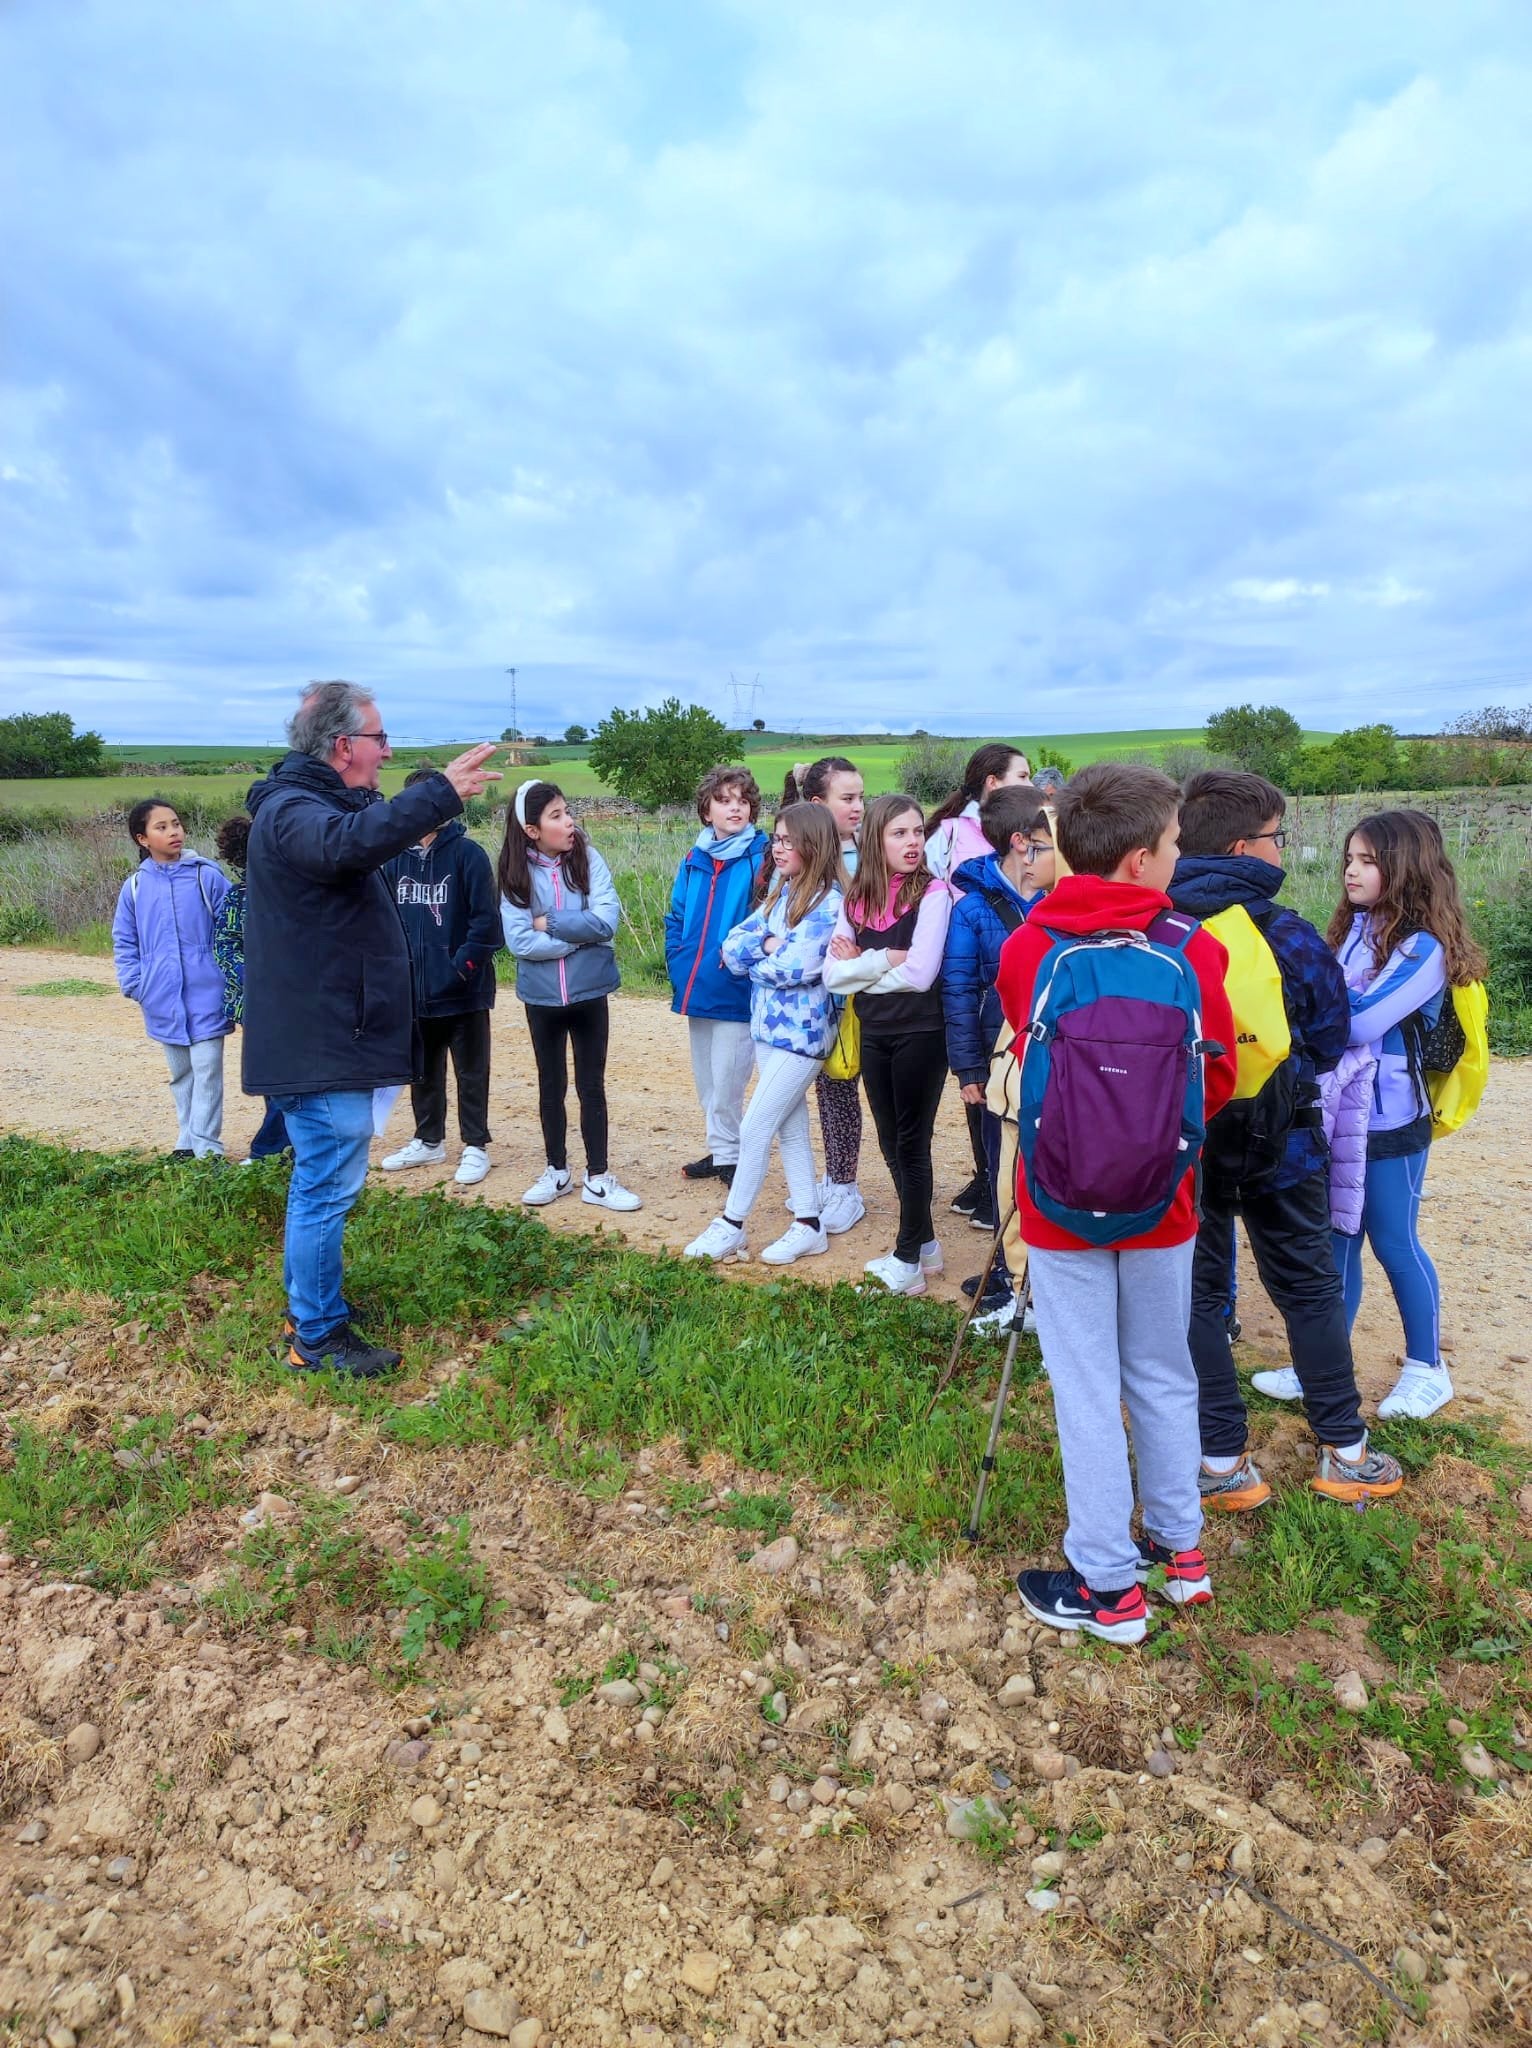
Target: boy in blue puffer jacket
715, 889
1232, 838
993, 895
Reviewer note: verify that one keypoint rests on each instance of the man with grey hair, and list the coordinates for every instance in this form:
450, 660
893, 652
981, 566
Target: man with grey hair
329, 1007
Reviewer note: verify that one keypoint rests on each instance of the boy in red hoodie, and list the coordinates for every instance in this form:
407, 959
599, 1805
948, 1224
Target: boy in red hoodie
1113, 1319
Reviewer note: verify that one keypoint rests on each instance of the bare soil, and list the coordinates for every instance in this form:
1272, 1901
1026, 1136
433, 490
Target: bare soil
79, 1069
218, 1838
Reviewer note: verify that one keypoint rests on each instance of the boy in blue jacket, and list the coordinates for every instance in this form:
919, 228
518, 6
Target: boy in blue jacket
445, 888
1232, 839
715, 889
993, 895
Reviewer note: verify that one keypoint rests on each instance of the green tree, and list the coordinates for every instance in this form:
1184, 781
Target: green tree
575, 735
46, 743
1044, 756
758, 725
1262, 742
1366, 757
510, 735
659, 756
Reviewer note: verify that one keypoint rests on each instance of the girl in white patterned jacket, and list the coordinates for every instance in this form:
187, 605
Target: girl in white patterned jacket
792, 1021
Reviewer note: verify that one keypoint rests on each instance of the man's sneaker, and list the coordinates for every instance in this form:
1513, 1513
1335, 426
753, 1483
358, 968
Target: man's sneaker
1281, 1384
552, 1182
1418, 1392
1373, 1476
344, 1351
996, 1295
1186, 1572
721, 1240
416, 1153
1062, 1601
967, 1199
985, 1217
606, 1191
700, 1169
896, 1275
799, 1241
1233, 1493
472, 1167
931, 1260
840, 1205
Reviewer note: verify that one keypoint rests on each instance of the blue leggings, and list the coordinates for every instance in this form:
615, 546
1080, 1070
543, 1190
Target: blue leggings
1390, 1216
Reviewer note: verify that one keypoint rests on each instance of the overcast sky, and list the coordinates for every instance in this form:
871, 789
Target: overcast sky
992, 365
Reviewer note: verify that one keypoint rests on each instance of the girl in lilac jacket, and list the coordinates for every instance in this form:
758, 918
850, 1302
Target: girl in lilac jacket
162, 943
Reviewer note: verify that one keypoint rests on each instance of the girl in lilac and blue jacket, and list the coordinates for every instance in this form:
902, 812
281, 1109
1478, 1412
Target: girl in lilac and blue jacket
162, 944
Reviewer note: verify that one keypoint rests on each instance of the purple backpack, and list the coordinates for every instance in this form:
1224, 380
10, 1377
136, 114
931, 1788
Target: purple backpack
1111, 1103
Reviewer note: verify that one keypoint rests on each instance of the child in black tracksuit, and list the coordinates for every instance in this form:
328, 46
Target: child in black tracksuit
447, 898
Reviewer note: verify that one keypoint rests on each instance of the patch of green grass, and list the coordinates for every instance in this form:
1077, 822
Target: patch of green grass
764, 1514
574, 1686
101, 1514
291, 1574
65, 988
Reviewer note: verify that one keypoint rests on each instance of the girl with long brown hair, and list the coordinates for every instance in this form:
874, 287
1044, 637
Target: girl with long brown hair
887, 951
1402, 939
781, 947
953, 831
559, 908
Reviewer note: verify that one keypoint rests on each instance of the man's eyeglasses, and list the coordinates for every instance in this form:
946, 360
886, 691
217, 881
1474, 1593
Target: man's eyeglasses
1278, 839
380, 736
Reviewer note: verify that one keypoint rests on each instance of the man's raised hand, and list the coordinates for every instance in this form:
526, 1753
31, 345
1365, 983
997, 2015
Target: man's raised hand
468, 774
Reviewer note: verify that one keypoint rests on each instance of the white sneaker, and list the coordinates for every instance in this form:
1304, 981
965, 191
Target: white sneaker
415, 1153
897, 1276
552, 1182
799, 1241
840, 1206
1418, 1392
1279, 1385
606, 1191
931, 1257
472, 1167
721, 1240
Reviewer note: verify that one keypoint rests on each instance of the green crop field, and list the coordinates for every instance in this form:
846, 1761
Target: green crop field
770, 755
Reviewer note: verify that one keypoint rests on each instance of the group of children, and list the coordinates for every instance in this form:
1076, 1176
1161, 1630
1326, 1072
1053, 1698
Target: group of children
1146, 1044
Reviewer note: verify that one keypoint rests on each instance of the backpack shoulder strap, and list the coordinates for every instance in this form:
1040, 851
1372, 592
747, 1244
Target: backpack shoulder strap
1004, 907
1173, 928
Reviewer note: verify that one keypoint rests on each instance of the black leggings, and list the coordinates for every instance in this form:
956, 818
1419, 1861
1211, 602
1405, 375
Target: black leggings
904, 1078
586, 1027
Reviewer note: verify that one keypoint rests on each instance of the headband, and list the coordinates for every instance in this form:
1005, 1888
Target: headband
520, 804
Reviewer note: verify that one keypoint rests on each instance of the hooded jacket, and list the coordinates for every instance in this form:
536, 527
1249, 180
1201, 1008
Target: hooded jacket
987, 907
162, 944
955, 842
574, 960
446, 895
1313, 987
1091, 903
1345, 1095
328, 1002
710, 898
1413, 977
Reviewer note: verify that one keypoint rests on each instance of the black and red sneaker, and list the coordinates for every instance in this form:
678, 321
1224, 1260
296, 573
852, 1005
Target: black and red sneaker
1186, 1572
343, 1351
1063, 1600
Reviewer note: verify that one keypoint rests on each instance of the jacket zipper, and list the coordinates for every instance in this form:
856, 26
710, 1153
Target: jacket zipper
558, 904
707, 912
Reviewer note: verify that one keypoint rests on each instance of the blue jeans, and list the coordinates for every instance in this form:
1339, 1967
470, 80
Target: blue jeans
271, 1139
330, 1135
1390, 1216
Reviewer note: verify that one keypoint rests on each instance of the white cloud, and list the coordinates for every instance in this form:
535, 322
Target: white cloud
1025, 364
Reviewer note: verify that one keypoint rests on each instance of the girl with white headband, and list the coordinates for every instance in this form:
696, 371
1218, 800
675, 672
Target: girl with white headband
558, 904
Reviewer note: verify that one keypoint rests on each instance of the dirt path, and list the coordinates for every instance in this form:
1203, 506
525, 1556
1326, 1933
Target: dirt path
78, 1068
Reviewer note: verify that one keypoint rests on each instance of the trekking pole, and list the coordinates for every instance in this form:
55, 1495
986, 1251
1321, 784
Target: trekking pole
978, 1295
997, 1417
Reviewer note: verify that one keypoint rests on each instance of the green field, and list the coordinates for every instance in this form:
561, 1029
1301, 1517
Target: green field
770, 755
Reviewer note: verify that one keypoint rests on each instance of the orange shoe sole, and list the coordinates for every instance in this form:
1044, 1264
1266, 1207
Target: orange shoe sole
1350, 1491
1240, 1502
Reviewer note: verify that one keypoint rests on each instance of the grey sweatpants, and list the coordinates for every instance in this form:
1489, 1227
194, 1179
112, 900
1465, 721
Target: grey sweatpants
1113, 1330
723, 1053
196, 1088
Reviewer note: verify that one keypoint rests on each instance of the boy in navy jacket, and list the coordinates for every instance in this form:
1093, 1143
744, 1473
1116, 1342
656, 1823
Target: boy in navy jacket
445, 889
715, 889
1232, 838
992, 895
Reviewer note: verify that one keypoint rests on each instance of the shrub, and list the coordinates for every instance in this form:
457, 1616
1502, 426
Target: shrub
45, 743
933, 768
